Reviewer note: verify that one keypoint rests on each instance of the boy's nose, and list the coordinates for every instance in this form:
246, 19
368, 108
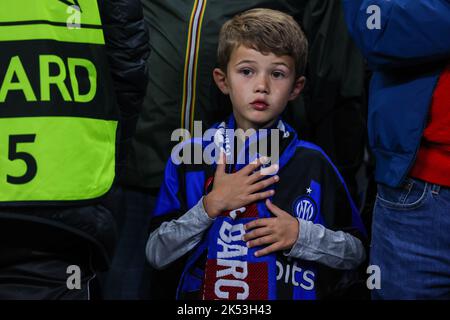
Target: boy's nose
262, 85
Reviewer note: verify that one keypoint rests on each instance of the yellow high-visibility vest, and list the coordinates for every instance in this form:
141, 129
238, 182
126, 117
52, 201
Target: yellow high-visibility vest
58, 114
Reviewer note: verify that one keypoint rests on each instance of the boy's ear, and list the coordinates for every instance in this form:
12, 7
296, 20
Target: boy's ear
299, 84
220, 78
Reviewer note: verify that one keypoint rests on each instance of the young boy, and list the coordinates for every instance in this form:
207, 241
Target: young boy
247, 233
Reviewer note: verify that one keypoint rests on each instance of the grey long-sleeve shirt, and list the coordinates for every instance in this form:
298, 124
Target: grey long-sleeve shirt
173, 239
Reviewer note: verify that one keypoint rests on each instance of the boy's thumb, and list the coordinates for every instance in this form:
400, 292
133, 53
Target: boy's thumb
273, 208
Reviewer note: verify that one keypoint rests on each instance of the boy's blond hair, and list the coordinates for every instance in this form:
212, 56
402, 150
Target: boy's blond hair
267, 31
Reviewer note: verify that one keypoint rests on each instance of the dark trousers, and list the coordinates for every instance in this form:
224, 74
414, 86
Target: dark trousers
39, 262
129, 275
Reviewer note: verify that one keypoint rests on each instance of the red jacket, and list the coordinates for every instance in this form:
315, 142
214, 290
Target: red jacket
433, 159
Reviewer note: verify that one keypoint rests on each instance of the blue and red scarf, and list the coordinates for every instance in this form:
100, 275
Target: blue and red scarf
232, 270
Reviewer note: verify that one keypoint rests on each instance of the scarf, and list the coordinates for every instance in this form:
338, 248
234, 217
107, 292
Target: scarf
232, 270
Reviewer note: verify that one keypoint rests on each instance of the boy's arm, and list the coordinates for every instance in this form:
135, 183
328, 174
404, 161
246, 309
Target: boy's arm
174, 239
335, 249
409, 31
171, 205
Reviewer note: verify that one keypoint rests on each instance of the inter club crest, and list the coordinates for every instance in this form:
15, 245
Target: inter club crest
305, 208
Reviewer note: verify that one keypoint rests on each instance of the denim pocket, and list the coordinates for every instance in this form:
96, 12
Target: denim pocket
410, 195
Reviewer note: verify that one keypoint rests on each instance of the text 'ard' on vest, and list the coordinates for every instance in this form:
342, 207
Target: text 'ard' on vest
63, 77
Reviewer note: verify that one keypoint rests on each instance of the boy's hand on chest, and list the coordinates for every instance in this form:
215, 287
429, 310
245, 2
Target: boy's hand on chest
239, 189
277, 233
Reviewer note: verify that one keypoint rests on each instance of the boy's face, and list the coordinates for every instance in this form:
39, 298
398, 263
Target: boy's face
259, 86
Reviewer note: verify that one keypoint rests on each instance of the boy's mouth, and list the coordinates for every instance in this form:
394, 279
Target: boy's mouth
259, 105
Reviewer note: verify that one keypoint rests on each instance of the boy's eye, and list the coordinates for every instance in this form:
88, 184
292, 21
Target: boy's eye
246, 72
278, 74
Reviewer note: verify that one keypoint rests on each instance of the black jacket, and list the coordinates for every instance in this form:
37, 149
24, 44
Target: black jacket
127, 43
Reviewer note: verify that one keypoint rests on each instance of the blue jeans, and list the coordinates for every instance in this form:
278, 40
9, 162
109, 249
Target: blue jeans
411, 241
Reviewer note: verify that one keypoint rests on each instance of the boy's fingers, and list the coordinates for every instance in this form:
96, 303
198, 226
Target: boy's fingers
274, 209
256, 224
261, 241
248, 169
272, 248
221, 164
263, 184
260, 232
269, 171
264, 172
261, 196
